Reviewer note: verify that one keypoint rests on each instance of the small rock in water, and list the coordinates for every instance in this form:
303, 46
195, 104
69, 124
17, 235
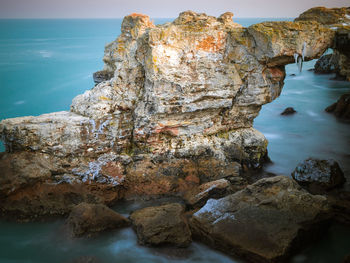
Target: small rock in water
292, 75
162, 225
341, 108
288, 111
318, 176
88, 219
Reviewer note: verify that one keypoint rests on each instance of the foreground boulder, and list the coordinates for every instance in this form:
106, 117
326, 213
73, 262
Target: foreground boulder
318, 175
341, 108
162, 225
262, 222
89, 219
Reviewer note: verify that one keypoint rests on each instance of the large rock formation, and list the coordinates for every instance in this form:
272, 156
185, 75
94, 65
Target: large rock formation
337, 19
263, 222
182, 99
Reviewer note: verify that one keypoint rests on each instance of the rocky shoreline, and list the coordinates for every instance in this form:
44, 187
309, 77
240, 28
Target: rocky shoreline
171, 115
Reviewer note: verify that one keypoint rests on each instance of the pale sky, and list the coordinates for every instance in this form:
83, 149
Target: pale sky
157, 8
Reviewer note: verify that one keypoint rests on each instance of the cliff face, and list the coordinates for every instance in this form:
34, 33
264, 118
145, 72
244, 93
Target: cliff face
182, 99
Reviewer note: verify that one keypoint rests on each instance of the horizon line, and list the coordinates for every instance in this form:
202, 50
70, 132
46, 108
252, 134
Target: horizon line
77, 18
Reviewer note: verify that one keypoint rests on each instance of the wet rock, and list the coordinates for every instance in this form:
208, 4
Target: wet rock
162, 225
318, 175
263, 222
289, 111
90, 219
341, 108
215, 189
327, 64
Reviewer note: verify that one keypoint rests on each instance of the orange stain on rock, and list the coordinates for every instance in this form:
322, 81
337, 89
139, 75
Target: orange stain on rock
211, 44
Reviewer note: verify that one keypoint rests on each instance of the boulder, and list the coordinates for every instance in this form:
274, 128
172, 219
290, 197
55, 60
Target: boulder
318, 175
289, 111
326, 64
90, 219
162, 225
263, 222
214, 189
341, 108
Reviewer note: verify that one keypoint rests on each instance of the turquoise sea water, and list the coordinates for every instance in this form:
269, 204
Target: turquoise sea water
45, 63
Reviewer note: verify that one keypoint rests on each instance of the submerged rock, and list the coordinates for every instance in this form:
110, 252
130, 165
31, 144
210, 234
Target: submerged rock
162, 225
263, 222
90, 219
289, 111
341, 108
318, 175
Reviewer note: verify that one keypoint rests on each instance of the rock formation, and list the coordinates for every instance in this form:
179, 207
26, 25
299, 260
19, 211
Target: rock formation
181, 101
263, 222
337, 19
318, 175
341, 108
90, 219
162, 225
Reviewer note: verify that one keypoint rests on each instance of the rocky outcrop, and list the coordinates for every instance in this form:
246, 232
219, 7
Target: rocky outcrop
263, 222
341, 108
326, 16
318, 175
337, 19
91, 219
183, 97
162, 225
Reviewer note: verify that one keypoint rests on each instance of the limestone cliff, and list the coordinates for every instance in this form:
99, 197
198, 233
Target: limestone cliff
179, 107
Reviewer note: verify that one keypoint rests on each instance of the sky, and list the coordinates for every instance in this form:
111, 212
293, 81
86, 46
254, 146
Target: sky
157, 8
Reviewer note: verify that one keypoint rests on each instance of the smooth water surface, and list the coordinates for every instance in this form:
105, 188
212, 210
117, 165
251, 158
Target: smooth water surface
311, 132
45, 63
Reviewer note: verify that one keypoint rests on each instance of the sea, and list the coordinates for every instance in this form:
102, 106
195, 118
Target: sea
44, 64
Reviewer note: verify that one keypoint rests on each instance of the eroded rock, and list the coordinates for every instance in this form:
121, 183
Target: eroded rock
262, 222
162, 225
341, 108
318, 175
215, 189
177, 112
91, 219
